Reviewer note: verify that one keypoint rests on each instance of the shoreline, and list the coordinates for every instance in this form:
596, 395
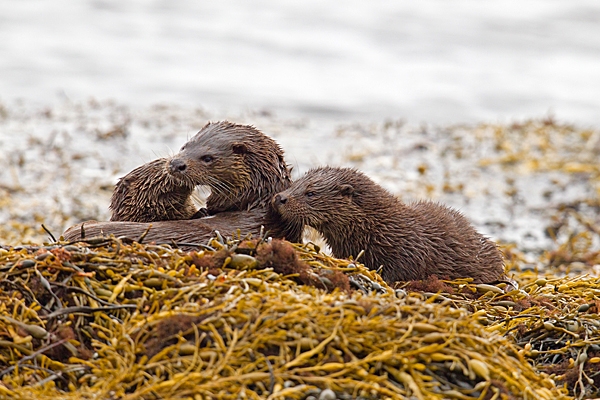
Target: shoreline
513, 181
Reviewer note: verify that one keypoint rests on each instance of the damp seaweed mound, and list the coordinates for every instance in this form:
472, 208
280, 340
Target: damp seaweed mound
264, 319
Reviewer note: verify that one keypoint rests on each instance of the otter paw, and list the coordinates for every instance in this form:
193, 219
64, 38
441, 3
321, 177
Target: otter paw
203, 212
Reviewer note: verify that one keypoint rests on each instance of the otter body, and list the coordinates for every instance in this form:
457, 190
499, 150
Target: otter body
411, 241
244, 169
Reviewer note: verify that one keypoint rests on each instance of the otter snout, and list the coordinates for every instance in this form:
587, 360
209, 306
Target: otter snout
279, 199
177, 165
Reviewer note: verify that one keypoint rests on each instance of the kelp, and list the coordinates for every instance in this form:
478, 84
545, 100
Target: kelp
552, 319
255, 319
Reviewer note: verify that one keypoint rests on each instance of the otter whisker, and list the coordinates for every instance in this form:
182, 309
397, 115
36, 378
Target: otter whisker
223, 190
218, 188
226, 187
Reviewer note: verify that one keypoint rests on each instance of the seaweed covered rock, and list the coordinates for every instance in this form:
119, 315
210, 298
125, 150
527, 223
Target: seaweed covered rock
107, 319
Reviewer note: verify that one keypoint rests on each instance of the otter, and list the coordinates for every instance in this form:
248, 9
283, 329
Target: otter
241, 165
150, 193
409, 241
244, 169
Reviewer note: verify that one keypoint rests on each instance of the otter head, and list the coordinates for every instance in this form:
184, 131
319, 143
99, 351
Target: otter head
324, 198
151, 193
243, 167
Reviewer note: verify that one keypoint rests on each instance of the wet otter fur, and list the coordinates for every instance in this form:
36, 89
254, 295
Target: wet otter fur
244, 169
150, 193
186, 234
242, 166
411, 241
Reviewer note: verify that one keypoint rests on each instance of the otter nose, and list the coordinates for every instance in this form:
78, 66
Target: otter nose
280, 199
177, 165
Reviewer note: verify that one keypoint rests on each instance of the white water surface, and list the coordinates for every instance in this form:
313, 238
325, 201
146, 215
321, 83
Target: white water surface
428, 61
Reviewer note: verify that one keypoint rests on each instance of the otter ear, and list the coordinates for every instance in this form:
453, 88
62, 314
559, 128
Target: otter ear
346, 190
239, 148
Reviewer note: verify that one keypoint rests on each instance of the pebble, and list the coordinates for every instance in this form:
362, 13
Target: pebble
583, 308
327, 394
578, 266
27, 263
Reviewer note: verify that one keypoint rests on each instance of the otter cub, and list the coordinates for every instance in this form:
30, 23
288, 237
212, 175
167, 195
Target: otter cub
150, 193
411, 241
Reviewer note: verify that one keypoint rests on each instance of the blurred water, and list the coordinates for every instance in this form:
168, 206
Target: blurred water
434, 61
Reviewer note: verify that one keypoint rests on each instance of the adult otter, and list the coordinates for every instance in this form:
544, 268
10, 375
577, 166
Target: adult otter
244, 169
242, 166
411, 241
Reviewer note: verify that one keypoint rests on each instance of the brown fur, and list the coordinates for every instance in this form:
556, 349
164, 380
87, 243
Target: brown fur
244, 168
411, 241
197, 231
150, 193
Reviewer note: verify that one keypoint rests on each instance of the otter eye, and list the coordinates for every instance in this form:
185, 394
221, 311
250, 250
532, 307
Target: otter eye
207, 159
310, 194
